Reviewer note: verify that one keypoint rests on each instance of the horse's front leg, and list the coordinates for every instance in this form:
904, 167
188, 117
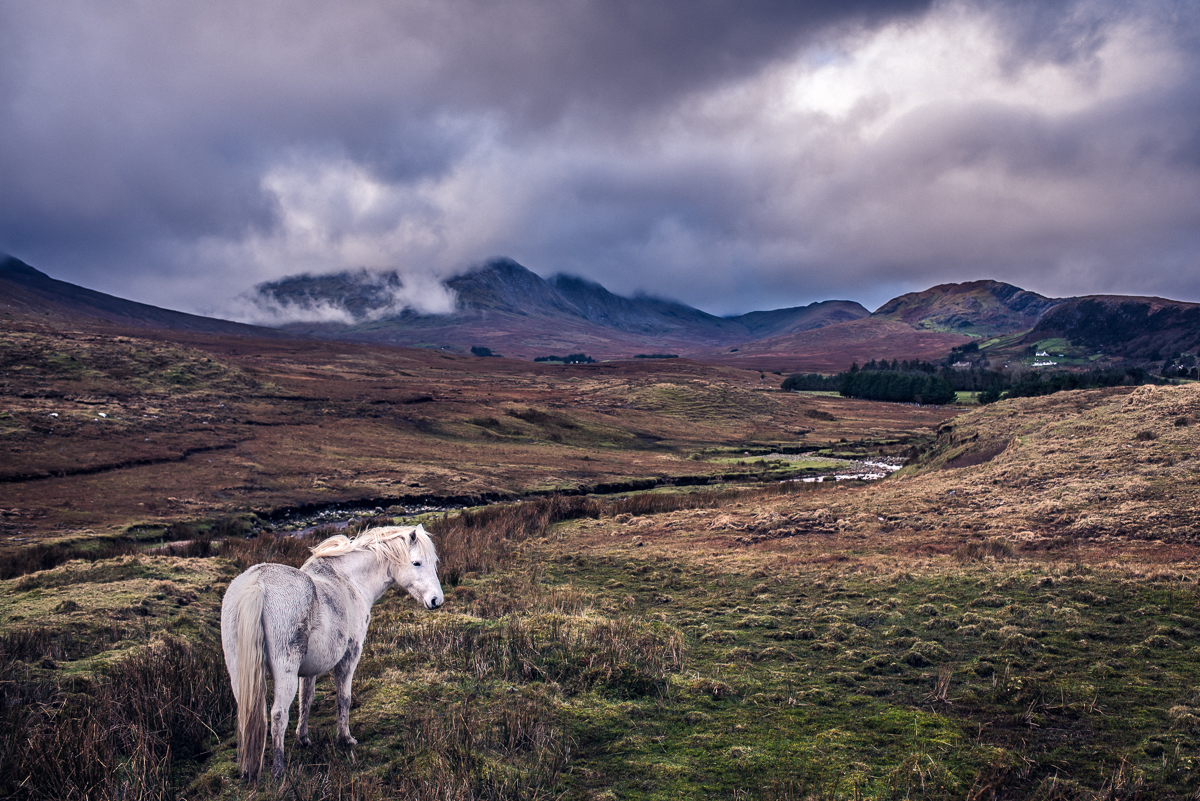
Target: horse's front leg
343, 674
285, 691
308, 689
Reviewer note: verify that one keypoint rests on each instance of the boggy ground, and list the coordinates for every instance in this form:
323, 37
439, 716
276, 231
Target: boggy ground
1025, 625
103, 430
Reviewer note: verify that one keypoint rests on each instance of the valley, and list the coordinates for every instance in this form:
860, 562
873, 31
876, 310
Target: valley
644, 597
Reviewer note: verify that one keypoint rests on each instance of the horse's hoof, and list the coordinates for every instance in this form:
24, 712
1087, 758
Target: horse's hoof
304, 741
347, 741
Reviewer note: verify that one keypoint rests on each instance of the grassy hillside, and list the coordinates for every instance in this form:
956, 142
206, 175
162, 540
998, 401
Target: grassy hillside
976, 308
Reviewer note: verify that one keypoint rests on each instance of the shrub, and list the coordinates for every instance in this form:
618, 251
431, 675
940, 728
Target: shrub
32, 558
574, 358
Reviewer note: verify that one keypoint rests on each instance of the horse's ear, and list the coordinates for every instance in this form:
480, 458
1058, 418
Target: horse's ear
412, 536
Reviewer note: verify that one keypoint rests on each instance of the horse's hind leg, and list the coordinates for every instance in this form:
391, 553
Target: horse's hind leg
308, 689
285, 691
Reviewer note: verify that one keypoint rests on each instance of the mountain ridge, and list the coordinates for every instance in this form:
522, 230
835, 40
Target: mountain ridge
1126, 326
510, 309
514, 312
30, 289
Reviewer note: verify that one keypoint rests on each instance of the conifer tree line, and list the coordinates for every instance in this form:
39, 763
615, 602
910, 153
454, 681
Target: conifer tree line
923, 382
904, 381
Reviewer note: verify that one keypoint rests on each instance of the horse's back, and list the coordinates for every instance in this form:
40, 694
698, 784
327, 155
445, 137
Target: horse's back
284, 589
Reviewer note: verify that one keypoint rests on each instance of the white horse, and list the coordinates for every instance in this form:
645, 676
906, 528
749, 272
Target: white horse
299, 624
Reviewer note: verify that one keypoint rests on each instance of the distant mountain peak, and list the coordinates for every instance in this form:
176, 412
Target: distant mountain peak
502, 284
802, 318
1140, 328
501, 305
499, 301
976, 308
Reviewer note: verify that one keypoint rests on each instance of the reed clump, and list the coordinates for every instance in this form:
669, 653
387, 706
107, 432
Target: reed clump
124, 734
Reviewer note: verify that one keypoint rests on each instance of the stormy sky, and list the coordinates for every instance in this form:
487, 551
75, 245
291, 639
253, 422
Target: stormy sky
735, 155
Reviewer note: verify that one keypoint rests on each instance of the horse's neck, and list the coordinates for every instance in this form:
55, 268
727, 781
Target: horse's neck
365, 571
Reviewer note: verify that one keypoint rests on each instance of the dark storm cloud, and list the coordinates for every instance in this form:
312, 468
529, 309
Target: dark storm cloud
733, 155
134, 129
541, 58
1091, 191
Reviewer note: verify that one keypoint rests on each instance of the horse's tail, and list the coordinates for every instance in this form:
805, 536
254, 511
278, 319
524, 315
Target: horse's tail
252, 682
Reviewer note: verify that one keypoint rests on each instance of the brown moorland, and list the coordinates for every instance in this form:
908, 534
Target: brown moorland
104, 428
833, 348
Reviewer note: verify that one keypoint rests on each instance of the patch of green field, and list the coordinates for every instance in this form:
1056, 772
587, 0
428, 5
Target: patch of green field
777, 463
1064, 353
99, 610
930, 684
1056, 346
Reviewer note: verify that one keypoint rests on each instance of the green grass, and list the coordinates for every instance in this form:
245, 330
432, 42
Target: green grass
1054, 346
1063, 353
777, 463
970, 677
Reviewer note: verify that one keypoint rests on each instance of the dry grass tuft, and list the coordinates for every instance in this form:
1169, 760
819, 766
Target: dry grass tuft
116, 736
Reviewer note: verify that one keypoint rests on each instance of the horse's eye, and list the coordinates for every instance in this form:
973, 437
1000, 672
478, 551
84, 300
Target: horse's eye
416, 564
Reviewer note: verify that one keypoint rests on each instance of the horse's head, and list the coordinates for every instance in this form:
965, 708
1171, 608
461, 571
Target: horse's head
418, 573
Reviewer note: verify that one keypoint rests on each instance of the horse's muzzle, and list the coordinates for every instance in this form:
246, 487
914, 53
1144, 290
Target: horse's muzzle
434, 603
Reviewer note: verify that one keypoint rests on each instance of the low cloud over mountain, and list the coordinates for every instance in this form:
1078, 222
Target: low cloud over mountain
504, 304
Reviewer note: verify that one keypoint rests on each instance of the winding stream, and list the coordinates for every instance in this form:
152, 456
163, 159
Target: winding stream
343, 515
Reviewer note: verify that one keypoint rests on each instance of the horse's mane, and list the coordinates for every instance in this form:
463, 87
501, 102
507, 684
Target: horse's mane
390, 542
